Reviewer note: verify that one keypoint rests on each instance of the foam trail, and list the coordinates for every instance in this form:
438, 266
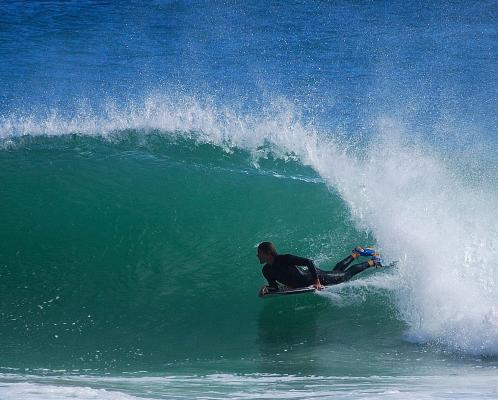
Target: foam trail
252, 386
440, 225
359, 290
33, 391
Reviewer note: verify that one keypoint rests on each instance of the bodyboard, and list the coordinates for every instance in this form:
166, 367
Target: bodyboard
286, 292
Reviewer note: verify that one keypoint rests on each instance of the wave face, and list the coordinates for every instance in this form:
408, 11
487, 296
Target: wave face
147, 234
144, 242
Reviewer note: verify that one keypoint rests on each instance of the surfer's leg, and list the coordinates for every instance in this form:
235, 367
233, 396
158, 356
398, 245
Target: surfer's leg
357, 268
335, 276
343, 264
331, 278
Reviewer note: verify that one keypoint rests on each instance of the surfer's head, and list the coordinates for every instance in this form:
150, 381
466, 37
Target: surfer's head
266, 252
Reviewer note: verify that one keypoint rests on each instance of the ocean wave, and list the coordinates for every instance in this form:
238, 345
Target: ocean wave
397, 187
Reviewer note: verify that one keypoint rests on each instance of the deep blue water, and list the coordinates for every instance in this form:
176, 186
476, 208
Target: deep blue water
342, 63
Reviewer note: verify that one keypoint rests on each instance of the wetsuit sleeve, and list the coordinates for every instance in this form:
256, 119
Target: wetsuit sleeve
305, 262
272, 283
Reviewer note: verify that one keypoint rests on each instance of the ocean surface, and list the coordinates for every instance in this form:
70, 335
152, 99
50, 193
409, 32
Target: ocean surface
146, 148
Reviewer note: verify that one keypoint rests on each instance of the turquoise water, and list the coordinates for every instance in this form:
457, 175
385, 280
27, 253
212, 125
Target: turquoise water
135, 246
130, 267
146, 150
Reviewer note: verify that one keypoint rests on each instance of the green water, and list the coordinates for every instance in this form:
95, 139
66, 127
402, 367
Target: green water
129, 264
118, 256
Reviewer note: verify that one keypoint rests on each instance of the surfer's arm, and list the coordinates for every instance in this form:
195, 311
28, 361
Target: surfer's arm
272, 283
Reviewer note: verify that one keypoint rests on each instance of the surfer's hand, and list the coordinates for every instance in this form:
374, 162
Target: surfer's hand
317, 285
263, 290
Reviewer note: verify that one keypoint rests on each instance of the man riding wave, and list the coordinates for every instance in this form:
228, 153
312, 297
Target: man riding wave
283, 269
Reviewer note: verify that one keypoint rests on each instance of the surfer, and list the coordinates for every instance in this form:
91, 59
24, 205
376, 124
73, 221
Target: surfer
283, 268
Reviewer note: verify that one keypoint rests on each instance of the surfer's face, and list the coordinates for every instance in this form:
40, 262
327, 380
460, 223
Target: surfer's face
263, 258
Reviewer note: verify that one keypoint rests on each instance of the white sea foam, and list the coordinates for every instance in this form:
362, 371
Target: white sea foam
358, 291
421, 209
37, 391
248, 386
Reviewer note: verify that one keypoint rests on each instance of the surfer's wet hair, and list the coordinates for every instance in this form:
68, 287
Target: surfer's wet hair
267, 248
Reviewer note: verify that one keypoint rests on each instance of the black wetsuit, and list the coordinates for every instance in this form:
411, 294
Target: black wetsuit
284, 270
